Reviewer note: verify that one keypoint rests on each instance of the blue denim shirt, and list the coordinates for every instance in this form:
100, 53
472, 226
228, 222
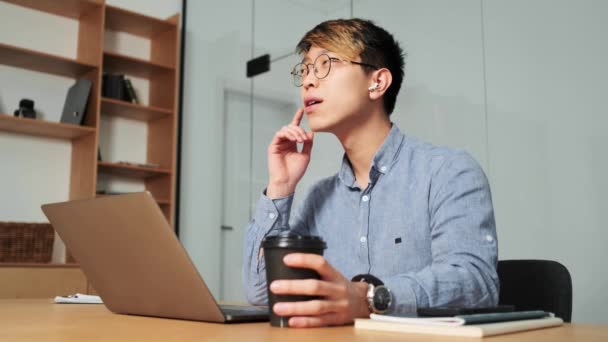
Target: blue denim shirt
424, 226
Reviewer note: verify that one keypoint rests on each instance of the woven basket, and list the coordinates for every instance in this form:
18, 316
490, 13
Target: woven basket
26, 242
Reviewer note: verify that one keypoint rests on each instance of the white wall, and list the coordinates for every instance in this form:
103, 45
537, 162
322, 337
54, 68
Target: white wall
546, 90
37, 170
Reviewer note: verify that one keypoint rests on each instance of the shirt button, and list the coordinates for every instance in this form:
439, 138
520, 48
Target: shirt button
272, 215
489, 238
365, 198
383, 169
363, 239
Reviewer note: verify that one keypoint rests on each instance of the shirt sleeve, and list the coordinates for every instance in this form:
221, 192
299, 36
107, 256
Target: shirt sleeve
463, 244
270, 214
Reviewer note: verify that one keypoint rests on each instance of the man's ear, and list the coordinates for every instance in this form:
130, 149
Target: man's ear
381, 80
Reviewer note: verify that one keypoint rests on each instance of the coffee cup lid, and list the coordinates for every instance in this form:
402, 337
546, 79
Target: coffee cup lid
289, 239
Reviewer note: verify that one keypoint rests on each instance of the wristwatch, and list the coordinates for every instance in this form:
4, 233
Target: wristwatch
379, 297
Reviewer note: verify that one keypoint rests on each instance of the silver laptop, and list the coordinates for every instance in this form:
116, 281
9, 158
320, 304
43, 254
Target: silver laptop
133, 259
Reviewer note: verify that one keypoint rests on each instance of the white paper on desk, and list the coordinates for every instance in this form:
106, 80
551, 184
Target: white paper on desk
78, 298
437, 321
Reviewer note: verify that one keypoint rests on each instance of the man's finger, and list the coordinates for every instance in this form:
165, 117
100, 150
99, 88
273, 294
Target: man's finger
300, 131
313, 307
297, 118
301, 137
307, 149
286, 134
310, 287
314, 262
331, 318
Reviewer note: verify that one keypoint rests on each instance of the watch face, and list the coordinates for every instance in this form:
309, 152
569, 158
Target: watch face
382, 298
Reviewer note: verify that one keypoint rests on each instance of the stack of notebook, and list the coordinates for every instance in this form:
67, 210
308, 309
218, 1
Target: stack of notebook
476, 325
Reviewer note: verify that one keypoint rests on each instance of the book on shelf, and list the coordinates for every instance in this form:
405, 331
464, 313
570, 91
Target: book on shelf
113, 86
131, 96
476, 325
117, 86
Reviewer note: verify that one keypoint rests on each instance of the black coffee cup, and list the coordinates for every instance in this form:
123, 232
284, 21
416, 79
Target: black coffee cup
275, 248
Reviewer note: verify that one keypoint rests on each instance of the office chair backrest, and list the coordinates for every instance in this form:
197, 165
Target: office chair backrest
536, 285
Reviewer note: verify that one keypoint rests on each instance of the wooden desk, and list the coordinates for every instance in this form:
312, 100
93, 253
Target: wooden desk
41, 320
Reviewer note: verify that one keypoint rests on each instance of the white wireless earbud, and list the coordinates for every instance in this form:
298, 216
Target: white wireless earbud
374, 86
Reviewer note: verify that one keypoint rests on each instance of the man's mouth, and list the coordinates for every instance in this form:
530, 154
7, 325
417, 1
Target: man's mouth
311, 104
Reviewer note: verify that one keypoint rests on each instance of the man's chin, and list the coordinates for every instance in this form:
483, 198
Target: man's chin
320, 130
319, 127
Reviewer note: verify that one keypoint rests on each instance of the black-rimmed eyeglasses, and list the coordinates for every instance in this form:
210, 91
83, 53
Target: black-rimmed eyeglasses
321, 67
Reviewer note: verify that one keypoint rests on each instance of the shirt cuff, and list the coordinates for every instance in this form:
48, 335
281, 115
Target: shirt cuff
269, 214
404, 302
273, 213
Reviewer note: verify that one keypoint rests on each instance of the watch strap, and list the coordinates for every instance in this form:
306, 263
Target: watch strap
368, 278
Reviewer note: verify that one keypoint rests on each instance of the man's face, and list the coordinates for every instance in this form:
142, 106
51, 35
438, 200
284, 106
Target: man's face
338, 101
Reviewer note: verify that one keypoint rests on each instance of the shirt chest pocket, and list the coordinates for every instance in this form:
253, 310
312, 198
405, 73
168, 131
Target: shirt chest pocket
390, 255
398, 253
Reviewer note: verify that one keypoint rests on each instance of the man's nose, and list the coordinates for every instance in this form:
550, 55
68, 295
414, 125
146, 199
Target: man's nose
310, 80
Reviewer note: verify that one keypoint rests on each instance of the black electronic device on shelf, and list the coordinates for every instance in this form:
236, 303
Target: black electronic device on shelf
76, 101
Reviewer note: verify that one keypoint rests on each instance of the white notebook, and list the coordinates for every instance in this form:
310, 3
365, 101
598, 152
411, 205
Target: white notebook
452, 326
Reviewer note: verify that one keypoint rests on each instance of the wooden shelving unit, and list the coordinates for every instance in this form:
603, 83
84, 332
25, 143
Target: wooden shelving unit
129, 110
134, 66
159, 201
160, 115
163, 201
42, 62
43, 128
66, 8
131, 171
120, 19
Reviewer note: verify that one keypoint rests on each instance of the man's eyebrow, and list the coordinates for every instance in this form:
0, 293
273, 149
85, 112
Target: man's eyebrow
305, 59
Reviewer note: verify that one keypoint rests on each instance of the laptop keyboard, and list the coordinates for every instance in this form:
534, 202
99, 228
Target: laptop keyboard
243, 309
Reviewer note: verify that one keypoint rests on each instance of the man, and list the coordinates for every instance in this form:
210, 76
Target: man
407, 224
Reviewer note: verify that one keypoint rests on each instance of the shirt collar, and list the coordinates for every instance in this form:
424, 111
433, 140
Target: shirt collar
382, 161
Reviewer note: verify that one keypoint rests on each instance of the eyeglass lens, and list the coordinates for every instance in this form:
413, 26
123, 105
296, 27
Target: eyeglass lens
321, 67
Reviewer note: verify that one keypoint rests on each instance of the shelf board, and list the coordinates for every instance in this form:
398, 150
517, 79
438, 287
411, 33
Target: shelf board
42, 128
122, 64
119, 19
66, 8
113, 107
130, 171
38, 264
42, 62
160, 201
